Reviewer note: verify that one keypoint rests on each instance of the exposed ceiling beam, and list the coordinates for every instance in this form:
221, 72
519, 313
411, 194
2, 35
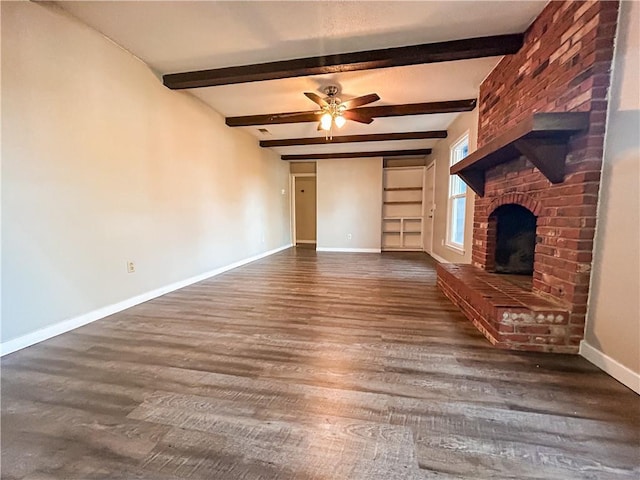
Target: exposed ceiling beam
491, 46
381, 111
385, 153
379, 137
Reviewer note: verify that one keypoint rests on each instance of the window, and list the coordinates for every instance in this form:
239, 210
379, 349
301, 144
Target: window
457, 197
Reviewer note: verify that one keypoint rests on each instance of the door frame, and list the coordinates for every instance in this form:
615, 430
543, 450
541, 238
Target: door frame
425, 202
292, 206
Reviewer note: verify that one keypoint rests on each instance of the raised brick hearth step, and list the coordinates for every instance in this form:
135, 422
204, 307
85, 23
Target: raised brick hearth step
509, 315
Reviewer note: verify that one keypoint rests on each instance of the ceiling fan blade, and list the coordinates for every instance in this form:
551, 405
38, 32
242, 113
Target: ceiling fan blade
276, 116
359, 101
316, 99
357, 117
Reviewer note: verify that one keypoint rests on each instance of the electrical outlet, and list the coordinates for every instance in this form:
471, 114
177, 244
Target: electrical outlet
131, 267
283, 191
348, 236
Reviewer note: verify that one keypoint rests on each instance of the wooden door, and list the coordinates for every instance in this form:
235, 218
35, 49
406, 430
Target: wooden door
305, 209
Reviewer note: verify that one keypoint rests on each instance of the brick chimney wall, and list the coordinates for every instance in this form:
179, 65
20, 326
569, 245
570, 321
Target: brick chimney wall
563, 66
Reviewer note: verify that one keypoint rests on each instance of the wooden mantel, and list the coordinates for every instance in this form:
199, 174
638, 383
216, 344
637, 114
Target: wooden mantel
541, 137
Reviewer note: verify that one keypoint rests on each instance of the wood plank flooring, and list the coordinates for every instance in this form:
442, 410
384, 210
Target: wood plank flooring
308, 365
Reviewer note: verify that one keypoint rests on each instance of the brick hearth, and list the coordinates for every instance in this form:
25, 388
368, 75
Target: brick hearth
509, 315
564, 66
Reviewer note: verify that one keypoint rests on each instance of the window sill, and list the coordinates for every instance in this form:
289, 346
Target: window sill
455, 248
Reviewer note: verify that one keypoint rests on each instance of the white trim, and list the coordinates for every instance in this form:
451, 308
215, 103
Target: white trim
459, 141
305, 241
292, 207
348, 250
454, 248
424, 204
452, 149
623, 374
437, 257
56, 329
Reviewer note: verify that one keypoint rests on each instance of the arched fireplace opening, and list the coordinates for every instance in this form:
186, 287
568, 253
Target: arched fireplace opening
515, 239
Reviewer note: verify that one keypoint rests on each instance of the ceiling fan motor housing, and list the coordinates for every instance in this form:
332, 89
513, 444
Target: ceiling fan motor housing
331, 90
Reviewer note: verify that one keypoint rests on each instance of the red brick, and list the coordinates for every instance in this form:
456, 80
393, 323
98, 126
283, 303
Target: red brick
505, 328
576, 331
535, 329
575, 40
516, 338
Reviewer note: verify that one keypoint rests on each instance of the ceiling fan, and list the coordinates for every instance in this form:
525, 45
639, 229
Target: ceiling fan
333, 111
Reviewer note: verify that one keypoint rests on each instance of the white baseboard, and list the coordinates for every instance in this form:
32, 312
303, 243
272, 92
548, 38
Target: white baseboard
437, 257
54, 330
623, 374
348, 250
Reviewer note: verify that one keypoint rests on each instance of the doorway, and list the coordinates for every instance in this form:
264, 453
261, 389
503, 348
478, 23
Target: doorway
304, 209
429, 206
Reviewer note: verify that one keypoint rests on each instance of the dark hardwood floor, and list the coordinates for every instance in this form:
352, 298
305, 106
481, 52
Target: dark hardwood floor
308, 366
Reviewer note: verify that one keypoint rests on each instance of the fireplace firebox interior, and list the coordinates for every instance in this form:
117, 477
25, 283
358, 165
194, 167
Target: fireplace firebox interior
515, 239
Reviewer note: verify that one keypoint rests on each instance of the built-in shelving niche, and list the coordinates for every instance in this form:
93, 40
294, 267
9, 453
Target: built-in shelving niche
402, 209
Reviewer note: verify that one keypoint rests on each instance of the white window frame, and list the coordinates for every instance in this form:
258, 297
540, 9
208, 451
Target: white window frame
453, 159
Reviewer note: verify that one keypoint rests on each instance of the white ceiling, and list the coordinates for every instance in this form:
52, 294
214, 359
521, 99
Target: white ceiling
180, 36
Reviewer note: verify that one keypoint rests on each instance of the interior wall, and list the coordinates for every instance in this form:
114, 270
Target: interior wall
305, 207
302, 167
441, 155
613, 321
406, 162
103, 165
349, 204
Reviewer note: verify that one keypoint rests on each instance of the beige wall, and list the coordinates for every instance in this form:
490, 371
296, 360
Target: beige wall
465, 122
101, 164
303, 167
305, 207
406, 162
349, 203
613, 322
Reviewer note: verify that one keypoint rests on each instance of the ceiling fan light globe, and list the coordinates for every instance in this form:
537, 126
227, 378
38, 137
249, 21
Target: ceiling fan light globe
340, 121
325, 121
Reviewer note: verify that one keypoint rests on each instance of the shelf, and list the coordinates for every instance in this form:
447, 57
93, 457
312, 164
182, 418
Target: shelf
402, 209
542, 138
399, 189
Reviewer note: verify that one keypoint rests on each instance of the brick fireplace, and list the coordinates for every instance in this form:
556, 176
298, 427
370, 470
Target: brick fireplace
564, 66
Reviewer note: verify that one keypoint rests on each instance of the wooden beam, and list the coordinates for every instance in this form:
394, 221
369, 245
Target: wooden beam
382, 111
379, 137
491, 46
385, 153
449, 106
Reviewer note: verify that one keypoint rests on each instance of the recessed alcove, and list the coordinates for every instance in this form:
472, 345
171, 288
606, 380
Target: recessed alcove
515, 239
